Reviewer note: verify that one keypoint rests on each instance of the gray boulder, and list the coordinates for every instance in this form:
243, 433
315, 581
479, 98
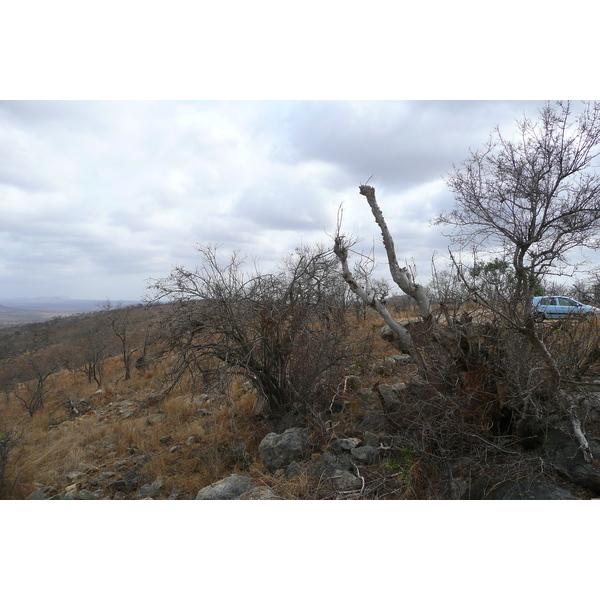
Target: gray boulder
520, 490
150, 490
329, 464
176, 494
344, 481
464, 488
564, 455
403, 359
370, 439
261, 492
390, 396
337, 470
42, 493
134, 479
87, 495
374, 422
293, 469
278, 451
341, 445
365, 454
229, 488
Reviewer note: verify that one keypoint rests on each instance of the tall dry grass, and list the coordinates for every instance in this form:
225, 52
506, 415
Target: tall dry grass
191, 441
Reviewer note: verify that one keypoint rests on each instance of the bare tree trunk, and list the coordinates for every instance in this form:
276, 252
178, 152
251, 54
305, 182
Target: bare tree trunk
578, 431
401, 275
404, 338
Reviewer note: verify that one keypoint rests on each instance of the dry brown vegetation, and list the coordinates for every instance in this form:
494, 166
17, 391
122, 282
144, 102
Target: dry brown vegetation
206, 427
189, 436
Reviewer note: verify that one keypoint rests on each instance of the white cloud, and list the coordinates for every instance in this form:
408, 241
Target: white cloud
97, 197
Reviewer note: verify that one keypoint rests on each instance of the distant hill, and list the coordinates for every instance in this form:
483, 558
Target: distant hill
16, 311
16, 316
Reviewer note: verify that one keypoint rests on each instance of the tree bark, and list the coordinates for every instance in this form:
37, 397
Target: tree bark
401, 275
404, 338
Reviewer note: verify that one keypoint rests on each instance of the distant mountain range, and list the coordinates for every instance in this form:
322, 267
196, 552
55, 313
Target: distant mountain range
16, 311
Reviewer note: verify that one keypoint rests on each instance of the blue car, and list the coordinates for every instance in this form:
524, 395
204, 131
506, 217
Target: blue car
560, 307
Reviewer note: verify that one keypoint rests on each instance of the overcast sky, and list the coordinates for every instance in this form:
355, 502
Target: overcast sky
99, 197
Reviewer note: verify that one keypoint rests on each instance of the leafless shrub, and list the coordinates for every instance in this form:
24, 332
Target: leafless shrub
283, 331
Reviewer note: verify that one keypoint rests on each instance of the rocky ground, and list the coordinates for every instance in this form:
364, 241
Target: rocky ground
350, 455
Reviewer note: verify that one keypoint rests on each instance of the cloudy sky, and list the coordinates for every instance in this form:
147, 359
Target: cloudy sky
98, 197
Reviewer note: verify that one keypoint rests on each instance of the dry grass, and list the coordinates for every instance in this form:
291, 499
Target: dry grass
189, 438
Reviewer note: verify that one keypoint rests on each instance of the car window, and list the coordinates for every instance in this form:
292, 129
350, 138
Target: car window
548, 301
567, 302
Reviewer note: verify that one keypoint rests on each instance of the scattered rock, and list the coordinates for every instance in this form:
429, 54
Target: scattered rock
343, 445
365, 454
403, 359
130, 481
229, 488
390, 396
345, 481
87, 495
293, 469
370, 439
102, 478
327, 464
117, 486
76, 476
279, 450
141, 459
154, 419
175, 494
261, 492
373, 421
121, 464
42, 493
150, 490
